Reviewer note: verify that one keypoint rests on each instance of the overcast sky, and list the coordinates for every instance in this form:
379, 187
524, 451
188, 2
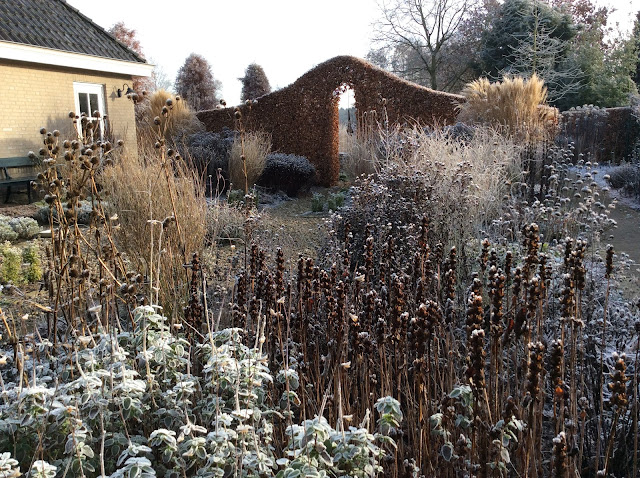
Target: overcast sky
285, 37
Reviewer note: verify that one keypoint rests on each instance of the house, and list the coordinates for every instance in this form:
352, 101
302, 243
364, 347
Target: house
54, 60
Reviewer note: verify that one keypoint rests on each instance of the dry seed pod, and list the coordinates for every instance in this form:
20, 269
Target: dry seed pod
535, 368
618, 384
609, 261
560, 466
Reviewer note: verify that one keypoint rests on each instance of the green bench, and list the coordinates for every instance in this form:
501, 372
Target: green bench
9, 178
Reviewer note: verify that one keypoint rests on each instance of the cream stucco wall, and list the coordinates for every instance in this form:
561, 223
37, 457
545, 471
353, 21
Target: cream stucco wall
34, 96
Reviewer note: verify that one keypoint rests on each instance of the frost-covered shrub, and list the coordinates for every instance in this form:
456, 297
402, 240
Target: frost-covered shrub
13, 228
321, 450
627, 178
11, 262
209, 152
25, 227
9, 467
132, 403
6, 231
31, 260
84, 210
42, 469
287, 172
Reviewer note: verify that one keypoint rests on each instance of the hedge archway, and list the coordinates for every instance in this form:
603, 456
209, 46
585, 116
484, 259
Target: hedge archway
302, 118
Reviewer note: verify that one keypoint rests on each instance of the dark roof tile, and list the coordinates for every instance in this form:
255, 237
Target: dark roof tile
55, 24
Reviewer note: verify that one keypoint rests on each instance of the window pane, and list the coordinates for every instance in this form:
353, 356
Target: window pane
84, 103
93, 100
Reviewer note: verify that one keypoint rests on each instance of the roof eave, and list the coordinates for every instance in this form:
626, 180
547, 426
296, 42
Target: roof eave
50, 56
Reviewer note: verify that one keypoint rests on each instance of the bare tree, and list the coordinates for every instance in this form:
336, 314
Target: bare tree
420, 31
128, 38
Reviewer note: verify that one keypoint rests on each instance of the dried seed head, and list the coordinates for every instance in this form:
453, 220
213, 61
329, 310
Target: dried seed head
609, 261
156, 121
43, 131
169, 102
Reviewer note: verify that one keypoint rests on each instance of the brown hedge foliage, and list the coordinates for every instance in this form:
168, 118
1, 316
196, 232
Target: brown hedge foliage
604, 134
303, 117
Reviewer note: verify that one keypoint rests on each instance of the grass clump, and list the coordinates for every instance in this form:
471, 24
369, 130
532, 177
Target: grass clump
317, 202
458, 185
515, 105
153, 116
160, 208
360, 152
247, 159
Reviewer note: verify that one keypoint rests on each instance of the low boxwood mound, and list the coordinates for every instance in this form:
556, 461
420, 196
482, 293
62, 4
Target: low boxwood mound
287, 172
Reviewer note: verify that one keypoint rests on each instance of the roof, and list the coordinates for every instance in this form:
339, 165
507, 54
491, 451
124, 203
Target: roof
56, 25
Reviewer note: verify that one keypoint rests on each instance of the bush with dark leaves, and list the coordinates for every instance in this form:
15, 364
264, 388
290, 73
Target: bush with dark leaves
209, 152
287, 172
627, 179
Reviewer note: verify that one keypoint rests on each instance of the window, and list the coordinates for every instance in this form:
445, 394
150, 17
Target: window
89, 97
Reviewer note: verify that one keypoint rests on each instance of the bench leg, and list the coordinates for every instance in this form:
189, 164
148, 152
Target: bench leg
6, 198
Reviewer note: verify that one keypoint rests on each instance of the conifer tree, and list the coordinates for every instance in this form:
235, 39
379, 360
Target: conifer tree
254, 83
195, 83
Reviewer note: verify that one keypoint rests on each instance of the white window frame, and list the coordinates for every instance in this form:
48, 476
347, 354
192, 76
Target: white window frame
90, 88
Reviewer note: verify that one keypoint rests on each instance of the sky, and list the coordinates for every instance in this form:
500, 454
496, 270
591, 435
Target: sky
286, 37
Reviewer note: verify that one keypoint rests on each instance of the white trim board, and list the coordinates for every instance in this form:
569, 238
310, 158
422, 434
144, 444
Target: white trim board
49, 56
